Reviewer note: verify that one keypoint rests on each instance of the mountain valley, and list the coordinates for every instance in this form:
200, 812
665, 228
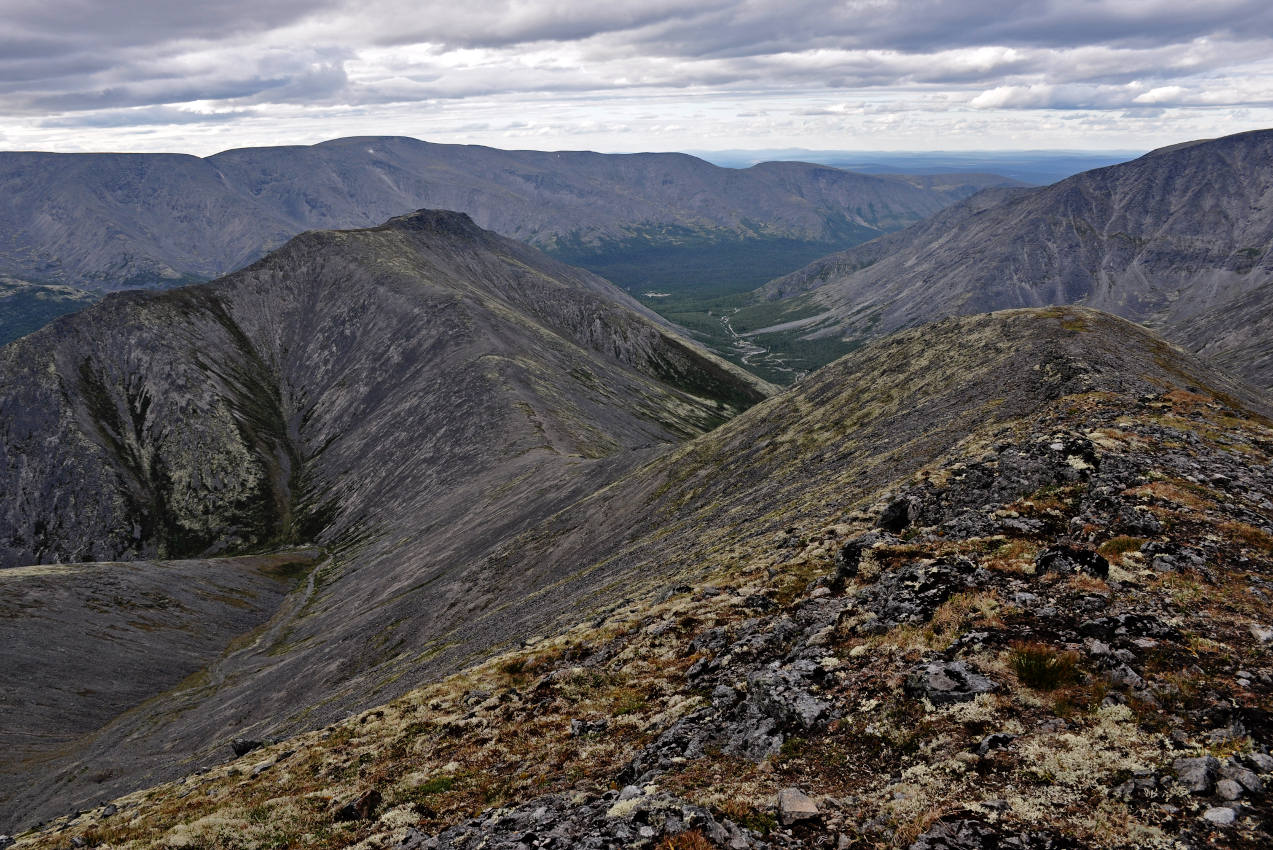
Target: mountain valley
406, 397
104, 222
999, 581
413, 536
1179, 239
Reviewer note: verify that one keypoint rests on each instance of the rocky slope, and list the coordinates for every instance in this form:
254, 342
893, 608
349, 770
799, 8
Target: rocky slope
108, 221
997, 582
1179, 239
406, 396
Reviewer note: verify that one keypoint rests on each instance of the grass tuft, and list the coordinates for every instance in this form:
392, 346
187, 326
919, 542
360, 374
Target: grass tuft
1043, 667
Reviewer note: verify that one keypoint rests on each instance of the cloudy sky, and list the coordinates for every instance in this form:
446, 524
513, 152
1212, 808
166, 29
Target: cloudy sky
615, 75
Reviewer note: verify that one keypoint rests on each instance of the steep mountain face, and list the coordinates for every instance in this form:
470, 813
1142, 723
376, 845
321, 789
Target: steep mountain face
109, 221
1179, 240
996, 582
406, 396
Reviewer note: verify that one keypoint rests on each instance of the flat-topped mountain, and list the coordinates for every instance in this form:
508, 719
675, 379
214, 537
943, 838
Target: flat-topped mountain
109, 221
1179, 239
999, 581
406, 396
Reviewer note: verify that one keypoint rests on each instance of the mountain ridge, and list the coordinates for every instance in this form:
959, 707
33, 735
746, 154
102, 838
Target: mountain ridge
404, 397
106, 221
826, 642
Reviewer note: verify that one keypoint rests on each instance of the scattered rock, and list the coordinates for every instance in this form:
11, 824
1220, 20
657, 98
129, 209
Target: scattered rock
946, 682
1246, 778
586, 823
997, 741
580, 728
795, 806
1262, 634
1227, 789
1220, 815
976, 835
1259, 762
1129, 626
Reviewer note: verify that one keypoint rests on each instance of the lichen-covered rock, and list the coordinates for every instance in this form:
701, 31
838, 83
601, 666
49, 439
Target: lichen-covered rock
1067, 558
946, 682
1197, 775
912, 593
795, 806
611, 821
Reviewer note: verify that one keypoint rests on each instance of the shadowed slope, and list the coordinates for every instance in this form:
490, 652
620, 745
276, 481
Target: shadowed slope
1178, 239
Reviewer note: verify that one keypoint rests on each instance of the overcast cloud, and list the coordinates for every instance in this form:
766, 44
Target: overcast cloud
650, 75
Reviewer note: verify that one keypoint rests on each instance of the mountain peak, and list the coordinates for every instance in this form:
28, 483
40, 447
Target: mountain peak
437, 222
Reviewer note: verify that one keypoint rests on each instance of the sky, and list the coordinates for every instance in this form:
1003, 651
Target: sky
614, 75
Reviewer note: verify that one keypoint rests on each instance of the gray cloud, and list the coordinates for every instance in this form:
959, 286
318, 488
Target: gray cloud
150, 116
130, 63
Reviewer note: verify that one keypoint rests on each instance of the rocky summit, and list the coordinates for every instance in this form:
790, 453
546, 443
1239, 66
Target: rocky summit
1178, 239
998, 582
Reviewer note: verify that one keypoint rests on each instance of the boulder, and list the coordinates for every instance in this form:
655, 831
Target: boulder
1197, 775
1068, 558
899, 514
362, 807
795, 806
947, 682
243, 746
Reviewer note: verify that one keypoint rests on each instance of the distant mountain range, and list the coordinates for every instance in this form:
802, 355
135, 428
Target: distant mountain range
102, 222
1033, 167
1179, 239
